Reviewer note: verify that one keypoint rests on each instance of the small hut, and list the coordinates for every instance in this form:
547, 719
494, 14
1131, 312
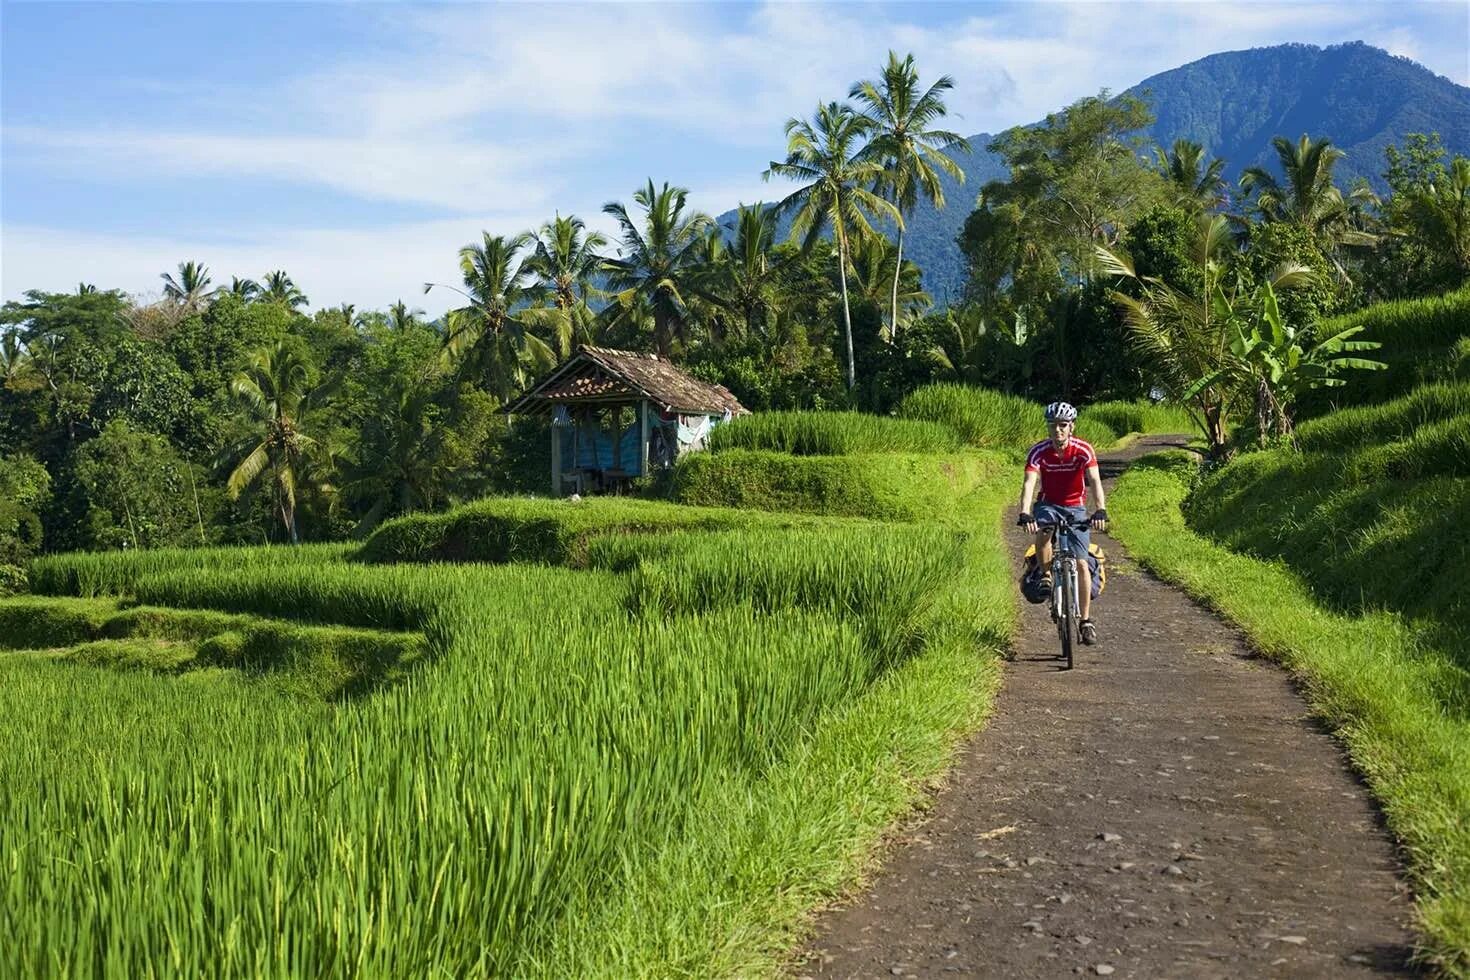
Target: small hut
616, 415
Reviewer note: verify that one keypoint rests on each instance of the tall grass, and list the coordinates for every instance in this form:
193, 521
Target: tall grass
889, 486
834, 434
1424, 340
1395, 692
99, 573
1349, 428
996, 420
576, 739
526, 529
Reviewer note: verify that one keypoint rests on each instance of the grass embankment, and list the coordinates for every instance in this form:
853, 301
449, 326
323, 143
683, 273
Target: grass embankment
1372, 510
1424, 340
1390, 688
994, 420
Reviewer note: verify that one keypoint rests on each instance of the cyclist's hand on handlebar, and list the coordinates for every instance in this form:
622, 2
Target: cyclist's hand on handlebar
1100, 519
1028, 522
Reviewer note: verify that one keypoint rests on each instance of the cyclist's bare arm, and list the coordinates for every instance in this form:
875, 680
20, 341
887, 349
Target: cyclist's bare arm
1028, 494
1094, 480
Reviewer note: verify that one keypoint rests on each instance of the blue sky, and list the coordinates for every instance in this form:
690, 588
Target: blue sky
358, 146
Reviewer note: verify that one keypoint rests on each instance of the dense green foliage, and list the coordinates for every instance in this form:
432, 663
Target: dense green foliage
1394, 690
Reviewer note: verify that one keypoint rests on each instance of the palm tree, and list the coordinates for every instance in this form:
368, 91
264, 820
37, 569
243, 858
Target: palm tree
488, 339
875, 265
14, 358
245, 289
911, 153
275, 389
1308, 198
566, 261
280, 289
401, 318
1196, 184
394, 462
824, 156
1441, 212
657, 258
745, 279
190, 290
1187, 329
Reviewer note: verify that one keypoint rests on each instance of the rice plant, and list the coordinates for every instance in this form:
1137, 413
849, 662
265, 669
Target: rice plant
834, 434
99, 573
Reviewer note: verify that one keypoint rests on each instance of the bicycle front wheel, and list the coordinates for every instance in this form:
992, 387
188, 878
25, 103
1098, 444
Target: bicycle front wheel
1067, 620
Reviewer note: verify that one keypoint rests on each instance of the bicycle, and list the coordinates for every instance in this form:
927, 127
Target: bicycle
1065, 611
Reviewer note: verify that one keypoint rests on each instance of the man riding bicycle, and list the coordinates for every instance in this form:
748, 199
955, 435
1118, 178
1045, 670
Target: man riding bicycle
1065, 467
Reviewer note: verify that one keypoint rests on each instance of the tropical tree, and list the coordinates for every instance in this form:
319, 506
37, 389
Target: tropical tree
190, 290
401, 318
1196, 184
745, 282
245, 289
1270, 357
277, 393
912, 154
657, 259
1185, 329
487, 340
14, 358
1441, 214
566, 261
278, 288
875, 266
823, 155
1306, 195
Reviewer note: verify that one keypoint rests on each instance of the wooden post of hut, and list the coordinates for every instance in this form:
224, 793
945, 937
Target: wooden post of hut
596, 378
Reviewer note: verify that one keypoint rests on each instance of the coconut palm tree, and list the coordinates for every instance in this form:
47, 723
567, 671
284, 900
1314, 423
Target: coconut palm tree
912, 154
1197, 185
744, 280
191, 289
657, 257
276, 391
566, 262
1308, 197
401, 318
823, 155
246, 289
1441, 212
278, 288
14, 358
875, 267
488, 340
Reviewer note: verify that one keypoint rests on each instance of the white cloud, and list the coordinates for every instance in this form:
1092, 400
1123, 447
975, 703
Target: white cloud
443, 173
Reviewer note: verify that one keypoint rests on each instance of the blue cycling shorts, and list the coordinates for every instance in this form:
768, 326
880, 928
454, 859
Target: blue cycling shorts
1046, 513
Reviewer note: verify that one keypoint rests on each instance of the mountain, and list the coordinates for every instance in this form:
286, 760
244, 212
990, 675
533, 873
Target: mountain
1360, 97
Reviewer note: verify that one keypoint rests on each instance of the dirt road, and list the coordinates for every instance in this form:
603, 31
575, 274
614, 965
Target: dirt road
1168, 808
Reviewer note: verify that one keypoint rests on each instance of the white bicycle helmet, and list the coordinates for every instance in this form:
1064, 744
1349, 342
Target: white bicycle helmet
1060, 412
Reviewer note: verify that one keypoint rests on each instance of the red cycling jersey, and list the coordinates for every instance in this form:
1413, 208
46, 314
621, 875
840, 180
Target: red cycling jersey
1062, 473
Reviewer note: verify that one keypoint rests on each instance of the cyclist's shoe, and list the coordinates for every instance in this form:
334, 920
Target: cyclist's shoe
1043, 586
1088, 632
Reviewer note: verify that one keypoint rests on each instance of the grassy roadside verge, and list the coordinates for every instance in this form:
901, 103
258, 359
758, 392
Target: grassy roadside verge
1399, 705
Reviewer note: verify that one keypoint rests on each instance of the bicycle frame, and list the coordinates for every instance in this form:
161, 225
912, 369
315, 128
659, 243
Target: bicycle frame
1065, 610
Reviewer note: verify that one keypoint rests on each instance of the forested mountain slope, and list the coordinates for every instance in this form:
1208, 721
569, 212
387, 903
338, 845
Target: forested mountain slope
1233, 103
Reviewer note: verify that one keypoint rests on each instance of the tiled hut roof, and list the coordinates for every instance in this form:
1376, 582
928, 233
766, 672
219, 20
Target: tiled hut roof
601, 374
